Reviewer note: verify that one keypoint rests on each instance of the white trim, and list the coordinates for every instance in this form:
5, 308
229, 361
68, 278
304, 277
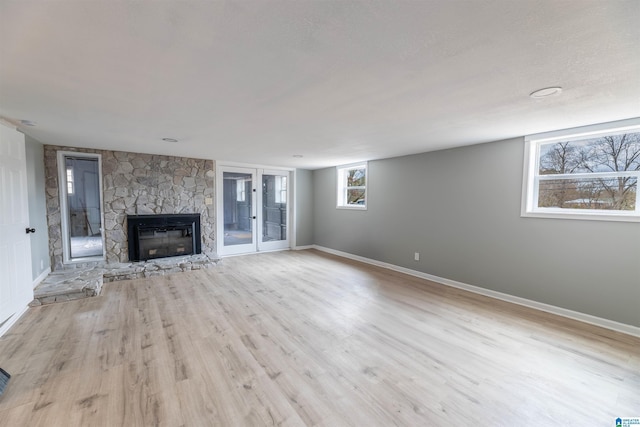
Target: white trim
570, 314
529, 165
583, 131
41, 277
12, 320
353, 207
555, 214
255, 252
293, 212
251, 166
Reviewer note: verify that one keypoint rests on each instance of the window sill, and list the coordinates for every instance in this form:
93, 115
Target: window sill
588, 216
352, 208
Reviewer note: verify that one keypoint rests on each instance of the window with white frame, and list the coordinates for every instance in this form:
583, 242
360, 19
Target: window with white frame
352, 186
586, 173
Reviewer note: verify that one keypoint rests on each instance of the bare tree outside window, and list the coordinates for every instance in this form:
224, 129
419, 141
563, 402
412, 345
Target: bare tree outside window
352, 186
356, 181
561, 158
599, 166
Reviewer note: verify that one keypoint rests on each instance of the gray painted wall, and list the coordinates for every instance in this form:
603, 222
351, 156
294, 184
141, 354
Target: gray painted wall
304, 207
37, 207
460, 209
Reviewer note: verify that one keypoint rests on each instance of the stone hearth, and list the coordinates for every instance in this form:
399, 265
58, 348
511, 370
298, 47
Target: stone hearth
72, 284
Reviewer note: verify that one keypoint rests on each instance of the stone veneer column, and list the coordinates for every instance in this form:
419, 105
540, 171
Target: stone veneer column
136, 184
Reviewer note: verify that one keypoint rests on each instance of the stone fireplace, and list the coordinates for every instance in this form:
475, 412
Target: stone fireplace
137, 184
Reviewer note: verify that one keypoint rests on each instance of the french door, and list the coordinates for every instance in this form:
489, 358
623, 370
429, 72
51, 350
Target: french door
254, 207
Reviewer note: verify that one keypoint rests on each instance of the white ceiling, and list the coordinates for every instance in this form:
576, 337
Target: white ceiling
335, 81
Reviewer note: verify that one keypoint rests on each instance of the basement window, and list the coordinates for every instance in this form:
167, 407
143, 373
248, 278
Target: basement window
585, 173
352, 186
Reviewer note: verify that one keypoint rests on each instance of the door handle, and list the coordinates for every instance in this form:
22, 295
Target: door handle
30, 230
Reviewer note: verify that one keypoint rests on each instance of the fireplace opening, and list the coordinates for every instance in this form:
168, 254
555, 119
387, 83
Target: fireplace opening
161, 236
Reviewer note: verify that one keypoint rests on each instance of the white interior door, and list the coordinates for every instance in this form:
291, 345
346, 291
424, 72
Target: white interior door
15, 247
254, 207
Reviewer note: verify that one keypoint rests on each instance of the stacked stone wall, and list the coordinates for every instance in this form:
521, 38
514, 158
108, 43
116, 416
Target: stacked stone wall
136, 184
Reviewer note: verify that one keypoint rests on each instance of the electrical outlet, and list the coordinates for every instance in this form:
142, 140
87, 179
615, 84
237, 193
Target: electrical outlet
416, 256
41, 264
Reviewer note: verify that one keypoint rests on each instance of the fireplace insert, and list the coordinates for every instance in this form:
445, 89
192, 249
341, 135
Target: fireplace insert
160, 236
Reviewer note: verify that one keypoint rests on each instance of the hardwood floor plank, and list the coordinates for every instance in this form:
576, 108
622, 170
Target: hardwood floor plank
309, 339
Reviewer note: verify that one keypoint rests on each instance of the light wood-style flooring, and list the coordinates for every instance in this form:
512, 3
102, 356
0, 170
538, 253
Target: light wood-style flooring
308, 339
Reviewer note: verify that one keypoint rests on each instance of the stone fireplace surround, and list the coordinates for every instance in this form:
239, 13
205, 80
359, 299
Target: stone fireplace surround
135, 184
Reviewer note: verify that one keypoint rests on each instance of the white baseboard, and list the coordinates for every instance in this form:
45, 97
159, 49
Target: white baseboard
12, 320
575, 315
302, 248
41, 277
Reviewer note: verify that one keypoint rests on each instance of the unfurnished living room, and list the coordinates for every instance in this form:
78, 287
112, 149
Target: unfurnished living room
319, 213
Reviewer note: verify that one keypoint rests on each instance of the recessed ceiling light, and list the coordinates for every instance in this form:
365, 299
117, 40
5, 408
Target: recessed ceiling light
547, 91
28, 122
169, 139
298, 156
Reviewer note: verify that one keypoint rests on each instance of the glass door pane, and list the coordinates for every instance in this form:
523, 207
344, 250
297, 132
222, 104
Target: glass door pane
238, 208
274, 233
274, 208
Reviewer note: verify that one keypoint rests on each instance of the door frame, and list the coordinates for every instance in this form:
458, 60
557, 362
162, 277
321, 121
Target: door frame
256, 171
